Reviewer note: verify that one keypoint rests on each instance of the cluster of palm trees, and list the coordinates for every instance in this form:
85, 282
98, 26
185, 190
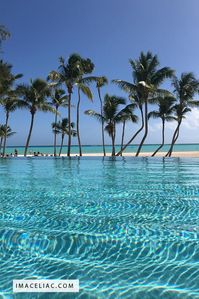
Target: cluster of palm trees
143, 92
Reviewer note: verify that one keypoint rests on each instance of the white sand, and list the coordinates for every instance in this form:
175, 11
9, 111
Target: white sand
147, 154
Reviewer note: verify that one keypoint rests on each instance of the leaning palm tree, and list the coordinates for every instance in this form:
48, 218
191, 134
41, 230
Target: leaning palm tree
147, 78
34, 97
185, 89
62, 127
165, 113
127, 114
59, 99
111, 116
5, 132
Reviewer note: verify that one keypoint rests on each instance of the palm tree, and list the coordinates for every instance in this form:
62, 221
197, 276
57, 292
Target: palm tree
111, 116
164, 112
5, 132
62, 127
82, 83
146, 81
127, 114
35, 99
185, 89
10, 103
59, 99
82, 87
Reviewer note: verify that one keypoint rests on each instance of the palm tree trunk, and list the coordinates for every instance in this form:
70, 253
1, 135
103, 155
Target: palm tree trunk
29, 134
134, 136
78, 133
174, 139
61, 145
5, 138
69, 123
55, 135
101, 110
1, 142
123, 130
113, 140
146, 128
163, 129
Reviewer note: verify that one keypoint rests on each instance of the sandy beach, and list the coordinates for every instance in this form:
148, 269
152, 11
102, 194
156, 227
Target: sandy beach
190, 154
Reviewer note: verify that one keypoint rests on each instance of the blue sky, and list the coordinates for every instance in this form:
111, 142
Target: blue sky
109, 32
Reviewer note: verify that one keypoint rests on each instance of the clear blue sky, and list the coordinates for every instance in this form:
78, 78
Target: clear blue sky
107, 31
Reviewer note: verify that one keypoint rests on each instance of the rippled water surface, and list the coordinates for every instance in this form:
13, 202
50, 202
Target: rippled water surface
126, 229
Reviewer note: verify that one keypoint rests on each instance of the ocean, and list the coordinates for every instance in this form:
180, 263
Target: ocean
98, 148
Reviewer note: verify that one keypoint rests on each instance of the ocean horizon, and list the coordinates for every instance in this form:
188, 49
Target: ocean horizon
96, 149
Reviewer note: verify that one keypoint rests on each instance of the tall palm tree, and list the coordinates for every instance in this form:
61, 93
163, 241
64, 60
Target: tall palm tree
34, 98
69, 72
62, 127
10, 103
164, 112
185, 89
59, 99
100, 82
5, 131
111, 116
127, 114
147, 78
82, 87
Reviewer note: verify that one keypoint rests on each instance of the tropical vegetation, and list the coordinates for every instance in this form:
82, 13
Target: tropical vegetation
145, 98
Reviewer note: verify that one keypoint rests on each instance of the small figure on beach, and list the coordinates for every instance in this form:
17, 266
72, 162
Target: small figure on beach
16, 152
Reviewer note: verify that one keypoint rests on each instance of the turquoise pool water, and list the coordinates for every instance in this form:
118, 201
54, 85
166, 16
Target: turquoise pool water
98, 148
126, 228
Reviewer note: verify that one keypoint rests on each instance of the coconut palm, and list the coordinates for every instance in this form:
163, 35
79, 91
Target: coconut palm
5, 132
111, 116
34, 98
59, 99
7, 78
69, 72
100, 82
82, 83
164, 112
185, 89
127, 114
10, 103
82, 87
62, 127
147, 78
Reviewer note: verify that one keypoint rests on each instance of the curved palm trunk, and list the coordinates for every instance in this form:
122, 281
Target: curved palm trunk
29, 134
78, 132
61, 145
55, 135
101, 110
134, 136
146, 128
5, 138
174, 139
69, 123
123, 131
163, 129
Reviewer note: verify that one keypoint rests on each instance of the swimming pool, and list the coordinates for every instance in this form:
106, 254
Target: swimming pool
126, 228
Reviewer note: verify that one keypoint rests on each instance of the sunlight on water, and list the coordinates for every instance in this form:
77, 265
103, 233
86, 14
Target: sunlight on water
126, 228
